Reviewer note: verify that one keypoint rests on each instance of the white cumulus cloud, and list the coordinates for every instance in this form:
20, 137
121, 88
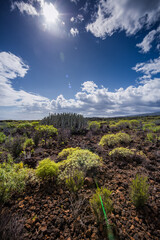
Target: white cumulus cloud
102, 102
127, 15
89, 86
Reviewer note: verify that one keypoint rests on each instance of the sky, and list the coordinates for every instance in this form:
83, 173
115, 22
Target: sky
93, 57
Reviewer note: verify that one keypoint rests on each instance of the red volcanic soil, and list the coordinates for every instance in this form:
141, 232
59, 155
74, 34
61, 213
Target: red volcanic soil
51, 211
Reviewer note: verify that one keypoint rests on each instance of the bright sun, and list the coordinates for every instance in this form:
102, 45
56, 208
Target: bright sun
50, 13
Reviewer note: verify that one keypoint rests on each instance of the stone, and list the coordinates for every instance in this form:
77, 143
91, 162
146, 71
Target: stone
132, 227
88, 181
89, 232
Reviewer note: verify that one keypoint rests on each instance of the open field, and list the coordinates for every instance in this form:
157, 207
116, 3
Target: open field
53, 201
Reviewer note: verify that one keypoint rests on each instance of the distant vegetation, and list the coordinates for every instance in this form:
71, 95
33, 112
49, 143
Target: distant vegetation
72, 121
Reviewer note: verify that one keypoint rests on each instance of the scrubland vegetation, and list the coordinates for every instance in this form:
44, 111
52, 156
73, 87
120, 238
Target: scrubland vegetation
63, 176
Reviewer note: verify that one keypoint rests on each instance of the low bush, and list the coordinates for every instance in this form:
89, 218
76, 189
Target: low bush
2, 137
75, 181
14, 145
113, 127
96, 205
13, 179
28, 143
121, 152
151, 137
127, 155
139, 191
135, 123
94, 126
156, 129
79, 160
36, 138
115, 139
24, 126
47, 169
45, 132
34, 124
148, 126
123, 124
67, 151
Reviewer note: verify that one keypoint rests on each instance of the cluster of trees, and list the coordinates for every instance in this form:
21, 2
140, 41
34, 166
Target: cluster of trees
70, 121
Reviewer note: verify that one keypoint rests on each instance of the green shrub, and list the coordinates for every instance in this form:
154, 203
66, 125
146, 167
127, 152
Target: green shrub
126, 154
121, 152
13, 179
151, 126
94, 126
123, 124
24, 126
96, 206
151, 137
11, 125
79, 160
47, 169
15, 145
36, 138
156, 129
28, 143
75, 181
148, 126
34, 124
46, 132
139, 190
113, 127
67, 151
115, 139
134, 123
2, 137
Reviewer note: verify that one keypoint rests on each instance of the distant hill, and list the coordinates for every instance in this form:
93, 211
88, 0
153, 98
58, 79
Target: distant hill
150, 114
124, 117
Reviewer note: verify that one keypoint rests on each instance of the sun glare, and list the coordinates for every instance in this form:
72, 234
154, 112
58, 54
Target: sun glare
50, 13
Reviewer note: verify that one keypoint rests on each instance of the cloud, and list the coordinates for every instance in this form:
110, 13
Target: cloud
129, 16
145, 45
101, 102
158, 46
12, 67
77, 19
84, 9
80, 18
25, 8
74, 32
74, 1
89, 86
152, 67
91, 100
72, 19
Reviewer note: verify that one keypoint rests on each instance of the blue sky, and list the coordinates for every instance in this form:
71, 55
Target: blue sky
97, 58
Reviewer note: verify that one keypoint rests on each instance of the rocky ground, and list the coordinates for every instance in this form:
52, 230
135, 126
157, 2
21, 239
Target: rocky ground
50, 211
